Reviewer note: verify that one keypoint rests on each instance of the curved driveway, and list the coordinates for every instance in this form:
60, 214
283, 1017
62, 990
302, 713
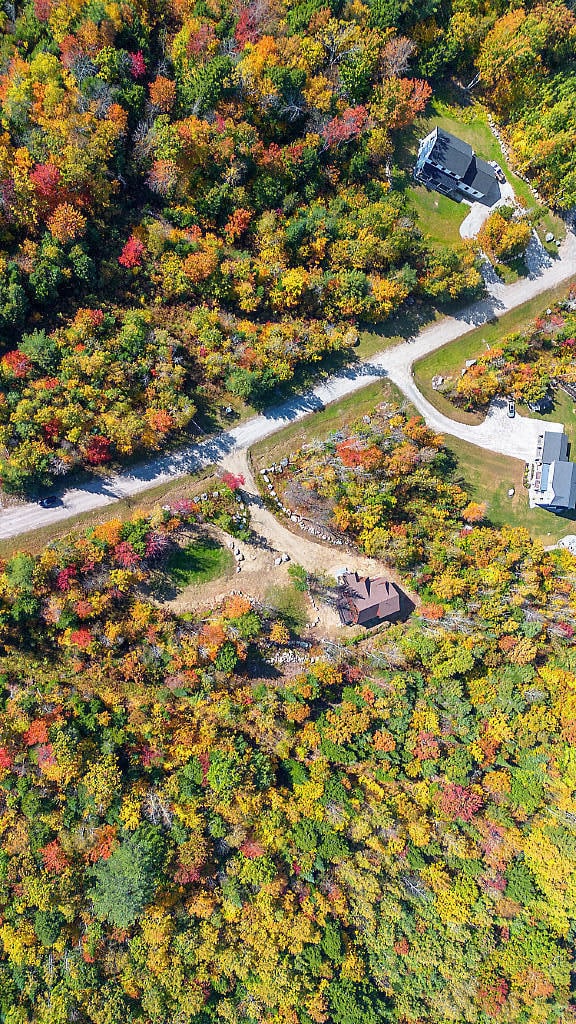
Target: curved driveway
515, 437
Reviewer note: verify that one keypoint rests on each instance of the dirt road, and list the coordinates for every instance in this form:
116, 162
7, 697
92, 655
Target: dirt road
515, 438
259, 573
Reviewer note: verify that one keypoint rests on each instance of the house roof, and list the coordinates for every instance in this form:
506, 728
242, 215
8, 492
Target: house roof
482, 177
442, 182
365, 599
563, 484
459, 157
453, 153
555, 446
554, 480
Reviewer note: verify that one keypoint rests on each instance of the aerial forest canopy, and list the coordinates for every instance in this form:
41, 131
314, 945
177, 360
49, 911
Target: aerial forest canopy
210, 814
196, 198
194, 831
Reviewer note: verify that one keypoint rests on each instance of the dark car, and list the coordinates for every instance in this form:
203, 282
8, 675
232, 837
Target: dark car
50, 501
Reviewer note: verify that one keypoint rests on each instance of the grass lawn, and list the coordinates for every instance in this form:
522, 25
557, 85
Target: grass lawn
201, 561
336, 416
469, 123
449, 360
564, 411
290, 605
439, 217
488, 477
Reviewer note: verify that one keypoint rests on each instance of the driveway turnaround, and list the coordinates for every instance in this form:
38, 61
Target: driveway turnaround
514, 437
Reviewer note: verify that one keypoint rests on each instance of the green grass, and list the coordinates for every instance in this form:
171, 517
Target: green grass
469, 122
488, 477
449, 360
511, 272
336, 416
289, 604
200, 561
564, 412
485, 475
440, 218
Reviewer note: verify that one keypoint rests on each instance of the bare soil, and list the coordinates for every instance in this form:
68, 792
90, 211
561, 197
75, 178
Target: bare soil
258, 572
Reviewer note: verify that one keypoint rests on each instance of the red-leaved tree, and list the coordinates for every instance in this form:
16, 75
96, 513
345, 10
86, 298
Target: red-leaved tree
97, 450
132, 253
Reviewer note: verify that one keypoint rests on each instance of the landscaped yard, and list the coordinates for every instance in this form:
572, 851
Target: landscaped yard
449, 360
201, 561
441, 222
489, 477
564, 411
439, 217
486, 475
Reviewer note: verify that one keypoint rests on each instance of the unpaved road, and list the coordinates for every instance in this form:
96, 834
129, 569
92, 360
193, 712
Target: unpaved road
314, 555
258, 571
515, 437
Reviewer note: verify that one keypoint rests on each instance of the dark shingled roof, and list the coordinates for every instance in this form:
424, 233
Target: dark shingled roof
481, 176
451, 152
459, 157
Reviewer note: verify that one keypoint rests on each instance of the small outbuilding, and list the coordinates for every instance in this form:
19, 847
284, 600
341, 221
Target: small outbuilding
364, 601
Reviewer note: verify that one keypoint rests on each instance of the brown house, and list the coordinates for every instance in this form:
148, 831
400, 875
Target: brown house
363, 600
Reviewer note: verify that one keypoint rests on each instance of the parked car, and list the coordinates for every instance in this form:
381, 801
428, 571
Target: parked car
511, 408
50, 501
498, 171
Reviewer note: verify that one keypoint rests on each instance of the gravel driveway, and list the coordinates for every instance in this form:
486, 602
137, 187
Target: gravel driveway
514, 437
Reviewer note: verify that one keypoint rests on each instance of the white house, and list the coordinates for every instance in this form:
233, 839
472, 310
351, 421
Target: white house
552, 475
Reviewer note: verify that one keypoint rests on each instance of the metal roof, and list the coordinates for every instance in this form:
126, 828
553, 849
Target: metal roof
555, 446
564, 483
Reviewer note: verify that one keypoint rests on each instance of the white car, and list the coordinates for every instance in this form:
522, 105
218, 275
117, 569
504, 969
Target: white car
511, 408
